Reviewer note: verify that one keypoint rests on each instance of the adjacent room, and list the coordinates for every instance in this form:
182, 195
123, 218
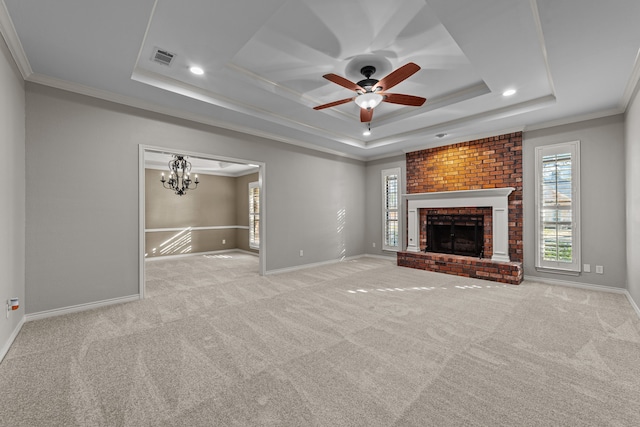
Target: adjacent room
303, 213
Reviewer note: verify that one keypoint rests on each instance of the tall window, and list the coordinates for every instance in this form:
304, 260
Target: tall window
558, 207
254, 215
390, 209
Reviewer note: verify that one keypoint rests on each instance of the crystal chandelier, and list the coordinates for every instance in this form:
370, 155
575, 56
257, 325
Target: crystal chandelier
179, 180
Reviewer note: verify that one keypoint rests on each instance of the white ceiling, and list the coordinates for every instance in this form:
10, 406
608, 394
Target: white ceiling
264, 60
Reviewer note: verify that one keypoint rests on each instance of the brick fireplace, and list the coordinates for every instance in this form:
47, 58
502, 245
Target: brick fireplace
481, 178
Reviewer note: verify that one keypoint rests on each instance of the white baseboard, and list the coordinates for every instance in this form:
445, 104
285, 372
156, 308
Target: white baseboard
576, 284
591, 287
223, 251
80, 307
633, 303
5, 349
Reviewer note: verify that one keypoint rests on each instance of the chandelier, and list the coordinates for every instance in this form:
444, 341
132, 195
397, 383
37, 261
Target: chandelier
179, 180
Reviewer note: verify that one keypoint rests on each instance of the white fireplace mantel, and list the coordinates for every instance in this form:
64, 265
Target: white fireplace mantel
496, 198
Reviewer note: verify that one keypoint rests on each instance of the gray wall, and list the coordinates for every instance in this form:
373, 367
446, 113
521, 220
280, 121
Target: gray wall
602, 192
373, 219
82, 225
212, 204
632, 156
82, 230
12, 228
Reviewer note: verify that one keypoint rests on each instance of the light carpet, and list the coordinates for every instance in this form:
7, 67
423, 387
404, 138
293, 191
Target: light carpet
357, 343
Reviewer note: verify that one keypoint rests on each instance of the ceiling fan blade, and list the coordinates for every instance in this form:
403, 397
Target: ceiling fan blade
333, 104
343, 82
398, 76
366, 115
397, 98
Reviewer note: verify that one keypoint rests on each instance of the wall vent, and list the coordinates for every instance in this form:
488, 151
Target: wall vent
163, 56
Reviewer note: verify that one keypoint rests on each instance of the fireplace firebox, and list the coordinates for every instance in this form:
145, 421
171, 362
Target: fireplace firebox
455, 234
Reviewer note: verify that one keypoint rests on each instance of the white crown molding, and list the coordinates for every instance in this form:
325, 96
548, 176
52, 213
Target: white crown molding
542, 42
632, 84
574, 119
388, 155
175, 86
10, 36
137, 103
450, 126
462, 138
448, 140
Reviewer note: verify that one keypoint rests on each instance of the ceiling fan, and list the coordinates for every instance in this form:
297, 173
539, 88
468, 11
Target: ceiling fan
371, 92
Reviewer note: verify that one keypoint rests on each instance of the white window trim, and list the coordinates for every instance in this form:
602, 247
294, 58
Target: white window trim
385, 173
252, 243
560, 267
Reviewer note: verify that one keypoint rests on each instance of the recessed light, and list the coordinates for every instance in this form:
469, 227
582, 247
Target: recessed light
441, 135
197, 70
509, 92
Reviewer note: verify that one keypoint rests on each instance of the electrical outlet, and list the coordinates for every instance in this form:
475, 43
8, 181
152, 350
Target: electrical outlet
586, 268
224, 241
599, 269
301, 252
374, 244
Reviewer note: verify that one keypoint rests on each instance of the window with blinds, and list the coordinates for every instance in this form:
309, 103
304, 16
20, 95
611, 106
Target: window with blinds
254, 215
558, 230
390, 209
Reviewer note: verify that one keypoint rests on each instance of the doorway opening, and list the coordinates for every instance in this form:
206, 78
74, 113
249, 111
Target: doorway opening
220, 214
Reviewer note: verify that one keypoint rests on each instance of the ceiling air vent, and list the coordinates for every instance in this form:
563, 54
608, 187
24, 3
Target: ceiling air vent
163, 57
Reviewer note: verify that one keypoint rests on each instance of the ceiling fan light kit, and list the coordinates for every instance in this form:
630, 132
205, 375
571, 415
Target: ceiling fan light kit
368, 100
370, 92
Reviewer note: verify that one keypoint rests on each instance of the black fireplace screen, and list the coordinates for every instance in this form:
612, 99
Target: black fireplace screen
455, 234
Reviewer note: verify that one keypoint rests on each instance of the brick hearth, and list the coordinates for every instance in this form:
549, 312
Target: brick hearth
479, 268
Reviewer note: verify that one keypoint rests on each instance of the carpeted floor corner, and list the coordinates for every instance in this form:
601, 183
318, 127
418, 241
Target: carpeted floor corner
357, 343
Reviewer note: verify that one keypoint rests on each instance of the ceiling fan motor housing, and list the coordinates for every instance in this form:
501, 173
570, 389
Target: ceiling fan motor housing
368, 83
368, 70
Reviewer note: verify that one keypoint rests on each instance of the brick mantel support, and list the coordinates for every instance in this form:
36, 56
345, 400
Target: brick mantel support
495, 198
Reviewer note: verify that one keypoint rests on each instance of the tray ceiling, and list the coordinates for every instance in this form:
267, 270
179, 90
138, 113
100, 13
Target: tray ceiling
263, 63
